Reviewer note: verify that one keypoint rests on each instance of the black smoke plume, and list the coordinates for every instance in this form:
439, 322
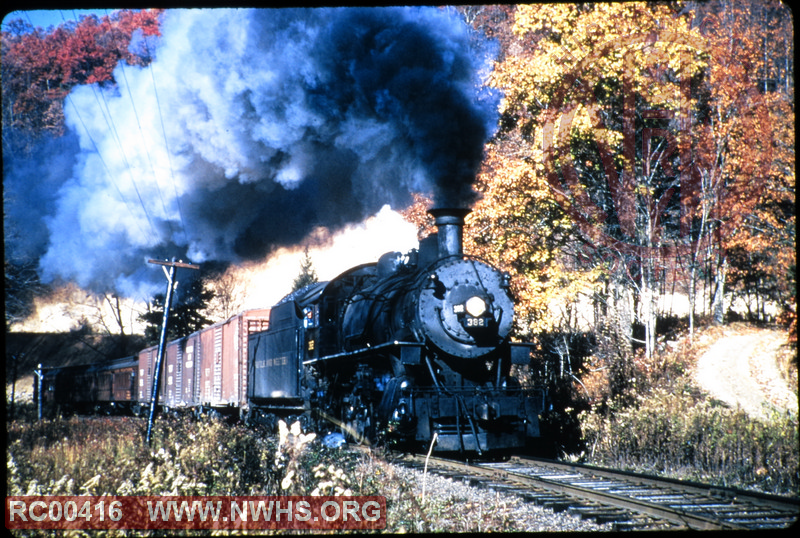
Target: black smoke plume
249, 129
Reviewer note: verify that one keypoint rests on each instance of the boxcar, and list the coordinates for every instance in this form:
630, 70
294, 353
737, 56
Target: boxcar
116, 384
205, 370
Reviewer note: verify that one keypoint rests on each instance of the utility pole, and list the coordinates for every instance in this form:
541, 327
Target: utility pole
162, 341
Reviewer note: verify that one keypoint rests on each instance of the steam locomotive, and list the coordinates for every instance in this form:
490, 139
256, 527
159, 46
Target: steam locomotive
409, 349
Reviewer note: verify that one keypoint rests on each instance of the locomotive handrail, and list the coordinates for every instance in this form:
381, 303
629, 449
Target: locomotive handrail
363, 351
413, 345
424, 270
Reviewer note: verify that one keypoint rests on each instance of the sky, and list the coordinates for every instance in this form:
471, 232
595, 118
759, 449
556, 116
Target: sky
52, 17
227, 153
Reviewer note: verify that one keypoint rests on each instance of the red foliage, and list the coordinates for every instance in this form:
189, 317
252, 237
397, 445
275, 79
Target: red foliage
39, 69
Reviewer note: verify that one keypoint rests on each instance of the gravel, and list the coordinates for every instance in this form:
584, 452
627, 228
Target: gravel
486, 505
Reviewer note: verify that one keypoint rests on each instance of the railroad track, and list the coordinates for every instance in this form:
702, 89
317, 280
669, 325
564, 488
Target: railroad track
629, 501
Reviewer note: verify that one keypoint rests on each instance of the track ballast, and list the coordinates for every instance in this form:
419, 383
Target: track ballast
629, 501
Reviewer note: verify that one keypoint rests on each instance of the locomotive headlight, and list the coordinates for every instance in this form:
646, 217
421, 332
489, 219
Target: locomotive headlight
475, 306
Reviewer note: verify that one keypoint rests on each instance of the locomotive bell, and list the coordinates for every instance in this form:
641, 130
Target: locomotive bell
450, 223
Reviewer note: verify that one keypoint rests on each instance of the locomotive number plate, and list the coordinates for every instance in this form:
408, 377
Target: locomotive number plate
475, 322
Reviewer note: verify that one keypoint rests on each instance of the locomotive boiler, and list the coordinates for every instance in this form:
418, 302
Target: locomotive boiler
412, 347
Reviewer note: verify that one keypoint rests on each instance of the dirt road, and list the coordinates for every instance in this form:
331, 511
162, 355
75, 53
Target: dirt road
740, 369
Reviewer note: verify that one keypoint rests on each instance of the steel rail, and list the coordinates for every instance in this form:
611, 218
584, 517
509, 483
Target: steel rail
754, 497
520, 483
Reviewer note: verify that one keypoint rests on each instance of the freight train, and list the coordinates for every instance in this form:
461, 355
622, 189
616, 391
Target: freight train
412, 348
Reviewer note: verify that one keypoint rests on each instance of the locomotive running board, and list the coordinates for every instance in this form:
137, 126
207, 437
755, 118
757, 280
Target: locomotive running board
410, 353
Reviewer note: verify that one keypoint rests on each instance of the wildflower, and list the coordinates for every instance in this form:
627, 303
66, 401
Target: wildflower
13, 476
90, 484
64, 485
296, 431
283, 433
286, 483
319, 471
177, 483
34, 488
126, 488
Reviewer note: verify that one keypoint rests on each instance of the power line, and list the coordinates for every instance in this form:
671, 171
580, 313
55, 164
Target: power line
166, 143
144, 144
108, 171
109, 119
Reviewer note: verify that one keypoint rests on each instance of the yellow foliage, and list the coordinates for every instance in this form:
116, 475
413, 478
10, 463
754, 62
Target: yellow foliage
513, 226
569, 74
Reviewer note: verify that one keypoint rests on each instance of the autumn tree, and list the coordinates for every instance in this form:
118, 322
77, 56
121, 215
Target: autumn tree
626, 167
417, 214
39, 67
187, 315
518, 227
743, 153
576, 93
229, 293
22, 284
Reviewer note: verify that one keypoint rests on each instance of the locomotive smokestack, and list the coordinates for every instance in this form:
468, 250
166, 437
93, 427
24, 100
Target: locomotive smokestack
450, 223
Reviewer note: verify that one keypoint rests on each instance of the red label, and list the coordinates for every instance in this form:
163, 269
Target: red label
183, 512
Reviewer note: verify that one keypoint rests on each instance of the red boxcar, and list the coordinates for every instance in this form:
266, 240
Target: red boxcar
207, 369
116, 382
147, 363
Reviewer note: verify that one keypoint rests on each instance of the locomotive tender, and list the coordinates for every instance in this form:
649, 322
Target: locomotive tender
399, 351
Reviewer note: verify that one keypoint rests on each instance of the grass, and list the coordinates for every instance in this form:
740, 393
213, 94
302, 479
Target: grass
97, 455
673, 434
101, 455
665, 425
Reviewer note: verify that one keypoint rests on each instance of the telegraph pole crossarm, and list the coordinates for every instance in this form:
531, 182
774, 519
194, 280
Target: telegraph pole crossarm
174, 264
163, 338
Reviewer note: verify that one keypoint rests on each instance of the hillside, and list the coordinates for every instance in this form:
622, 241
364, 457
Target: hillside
748, 368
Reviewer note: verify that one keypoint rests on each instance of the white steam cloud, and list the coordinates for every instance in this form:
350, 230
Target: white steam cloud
249, 129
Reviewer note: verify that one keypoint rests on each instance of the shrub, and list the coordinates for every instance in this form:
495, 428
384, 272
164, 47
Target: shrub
108, 456
676, 434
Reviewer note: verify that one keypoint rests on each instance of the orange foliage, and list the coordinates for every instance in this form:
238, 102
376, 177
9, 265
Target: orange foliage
417, 214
